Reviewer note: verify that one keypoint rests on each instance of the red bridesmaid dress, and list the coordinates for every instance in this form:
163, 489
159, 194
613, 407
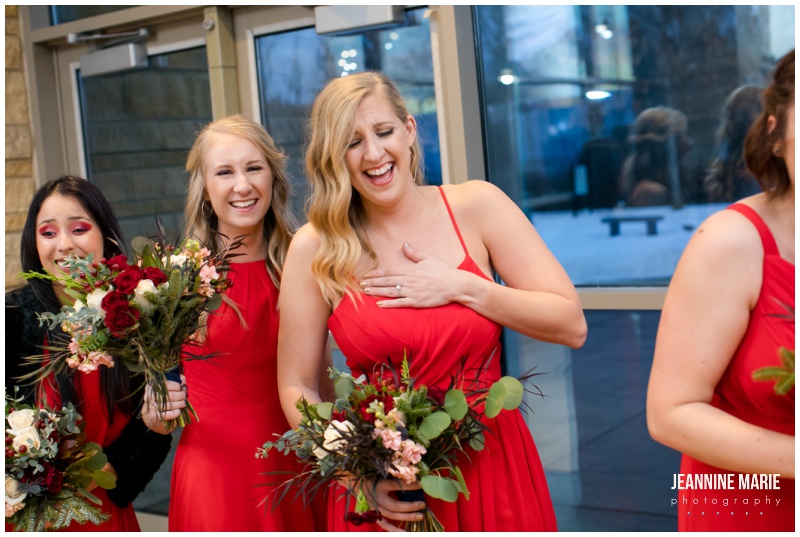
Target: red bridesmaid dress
217, 482
771, 326
98, 429
506, 481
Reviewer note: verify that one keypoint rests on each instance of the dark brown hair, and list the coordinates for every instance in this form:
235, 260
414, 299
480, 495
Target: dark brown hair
769, 169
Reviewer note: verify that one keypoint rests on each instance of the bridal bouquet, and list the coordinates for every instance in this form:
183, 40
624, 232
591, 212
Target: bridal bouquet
392, 429
139, 313
49, 466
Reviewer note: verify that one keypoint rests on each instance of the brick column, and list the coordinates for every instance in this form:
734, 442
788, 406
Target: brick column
20, 181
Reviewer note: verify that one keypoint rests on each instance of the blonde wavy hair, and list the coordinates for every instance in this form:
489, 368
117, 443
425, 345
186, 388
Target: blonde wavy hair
335, 208
279, 222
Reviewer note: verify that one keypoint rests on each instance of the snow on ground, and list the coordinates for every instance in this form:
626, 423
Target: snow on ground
584, 247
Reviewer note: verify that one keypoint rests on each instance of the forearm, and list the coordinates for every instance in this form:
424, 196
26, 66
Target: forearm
715, 437
290, 395
544, 316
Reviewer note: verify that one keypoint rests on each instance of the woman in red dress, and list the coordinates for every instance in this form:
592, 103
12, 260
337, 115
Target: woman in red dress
69, 215
728, 311
362, 268
238, 187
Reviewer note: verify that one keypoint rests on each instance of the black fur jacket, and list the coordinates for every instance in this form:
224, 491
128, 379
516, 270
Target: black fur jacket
136, 455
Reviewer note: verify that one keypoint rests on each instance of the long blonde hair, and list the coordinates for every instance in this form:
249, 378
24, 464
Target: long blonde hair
335, 208
279, 222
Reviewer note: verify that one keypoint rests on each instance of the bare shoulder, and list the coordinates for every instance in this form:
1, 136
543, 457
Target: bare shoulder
306, 241
727, 234
476, 197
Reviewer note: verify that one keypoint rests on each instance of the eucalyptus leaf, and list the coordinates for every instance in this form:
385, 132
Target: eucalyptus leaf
344, 387
214, 302
462, 485
105, 480
455, 403
477, 442
324, 410
514, 392
139, 244
77, 295
434, 424
439, 487
495, 399
96, 462
89, 496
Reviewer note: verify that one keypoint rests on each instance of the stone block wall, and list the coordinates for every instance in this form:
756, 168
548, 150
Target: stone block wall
20, 180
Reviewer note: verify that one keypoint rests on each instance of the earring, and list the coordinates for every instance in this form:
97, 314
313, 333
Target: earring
207, 210
776, 151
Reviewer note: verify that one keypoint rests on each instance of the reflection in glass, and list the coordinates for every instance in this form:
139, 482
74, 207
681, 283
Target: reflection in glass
605, 123
590, 428
294, 66
138, 127
63, 14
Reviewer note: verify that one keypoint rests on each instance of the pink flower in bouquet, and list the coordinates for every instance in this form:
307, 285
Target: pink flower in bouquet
208, 273
86, 366
73, 361
391, 439
205, 289
73, 346
11, 509
402, 470
101, 358
412, 452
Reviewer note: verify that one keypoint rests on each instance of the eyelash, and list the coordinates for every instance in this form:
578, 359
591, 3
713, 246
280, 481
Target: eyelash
380, 135
249, 169
80, 230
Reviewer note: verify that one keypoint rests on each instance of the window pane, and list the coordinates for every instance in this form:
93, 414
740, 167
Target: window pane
604, 123
138, 127
62, 14
293, 68
604, 471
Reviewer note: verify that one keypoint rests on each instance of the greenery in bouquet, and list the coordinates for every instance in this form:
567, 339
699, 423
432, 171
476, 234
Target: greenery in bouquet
49, 466
141, 313
392, 428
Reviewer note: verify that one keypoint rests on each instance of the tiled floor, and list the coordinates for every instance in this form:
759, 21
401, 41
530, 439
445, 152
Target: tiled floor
604, 471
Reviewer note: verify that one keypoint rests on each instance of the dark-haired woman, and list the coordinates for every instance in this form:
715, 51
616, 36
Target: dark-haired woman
69, 215
728, 311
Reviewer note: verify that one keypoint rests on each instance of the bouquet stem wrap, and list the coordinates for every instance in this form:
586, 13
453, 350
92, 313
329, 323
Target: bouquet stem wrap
187, 412
429, 521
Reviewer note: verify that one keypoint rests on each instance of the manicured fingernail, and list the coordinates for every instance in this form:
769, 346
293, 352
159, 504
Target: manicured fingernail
362, 283
419, 517
367, 275
367, 289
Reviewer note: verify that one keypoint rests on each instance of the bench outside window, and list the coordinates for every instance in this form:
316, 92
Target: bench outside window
615, 221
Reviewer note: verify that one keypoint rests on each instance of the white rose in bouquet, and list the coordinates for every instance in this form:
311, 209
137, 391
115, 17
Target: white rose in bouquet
94, 300
27, 437
19, 420
144, 286
14, 494
333, 438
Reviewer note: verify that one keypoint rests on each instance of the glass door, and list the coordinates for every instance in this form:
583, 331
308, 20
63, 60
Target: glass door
133, 130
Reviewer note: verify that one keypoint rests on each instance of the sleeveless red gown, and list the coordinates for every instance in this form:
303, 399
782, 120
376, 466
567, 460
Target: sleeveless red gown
217, 483
508, 490
754, 402
99, 430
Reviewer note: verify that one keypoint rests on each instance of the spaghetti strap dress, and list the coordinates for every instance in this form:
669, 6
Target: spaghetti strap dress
771, 327
506, 481
217, 482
